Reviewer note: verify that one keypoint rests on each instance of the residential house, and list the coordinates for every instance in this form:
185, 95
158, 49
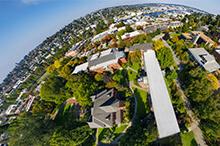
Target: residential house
107, 110
204, 59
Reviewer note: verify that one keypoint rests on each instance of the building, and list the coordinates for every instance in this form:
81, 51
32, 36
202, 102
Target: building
186, 36
81, 67
200, 37
100, 36
142, 47
131, 34
110, 59
107, 110
166, 121
216, 53
204, 59
75, 49
106, 60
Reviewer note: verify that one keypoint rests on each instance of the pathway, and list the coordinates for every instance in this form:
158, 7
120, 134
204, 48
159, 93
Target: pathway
194, 125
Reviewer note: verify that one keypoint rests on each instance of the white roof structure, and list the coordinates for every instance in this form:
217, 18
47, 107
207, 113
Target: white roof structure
163, 110
131, 34
204, 59
81, 67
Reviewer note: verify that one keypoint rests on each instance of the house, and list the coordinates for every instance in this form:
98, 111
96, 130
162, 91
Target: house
216, 53
175, 24
106, 60
107, 110
75, 49
204, 59
131, 34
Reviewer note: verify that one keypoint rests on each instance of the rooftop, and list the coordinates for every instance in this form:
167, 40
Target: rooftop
163, 110
106, 110
143, 47
204, 59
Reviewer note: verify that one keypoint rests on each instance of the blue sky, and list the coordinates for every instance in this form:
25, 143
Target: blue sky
26, 23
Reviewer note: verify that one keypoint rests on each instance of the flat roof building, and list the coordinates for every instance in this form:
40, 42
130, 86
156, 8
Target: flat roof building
81, 67
204, 59
163, 110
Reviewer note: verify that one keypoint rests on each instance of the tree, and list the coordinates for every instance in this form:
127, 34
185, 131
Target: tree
129, 28
140, 135
134, 60
165, 57
65, 71
158, 45
57, 64
120, 24
29, 130
51, 69
82, 87
70, 137
53, 89
214, 81
99, 77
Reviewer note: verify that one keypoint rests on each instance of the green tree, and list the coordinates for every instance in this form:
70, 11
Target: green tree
29, 130
165, 57
82, 87
158, 45
53, 89
70, 137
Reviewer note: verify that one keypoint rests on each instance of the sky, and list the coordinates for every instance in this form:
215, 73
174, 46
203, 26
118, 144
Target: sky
24, 24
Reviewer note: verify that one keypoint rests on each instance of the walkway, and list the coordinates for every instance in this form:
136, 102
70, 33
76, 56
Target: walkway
194, 125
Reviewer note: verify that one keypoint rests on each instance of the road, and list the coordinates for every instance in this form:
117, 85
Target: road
194, 125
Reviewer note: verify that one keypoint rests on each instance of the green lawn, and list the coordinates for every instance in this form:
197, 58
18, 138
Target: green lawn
107, 135
142, 104
188, 139
120, 129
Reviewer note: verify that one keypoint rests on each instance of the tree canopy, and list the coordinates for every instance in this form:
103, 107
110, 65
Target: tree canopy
82, 87
165, 57
53, 89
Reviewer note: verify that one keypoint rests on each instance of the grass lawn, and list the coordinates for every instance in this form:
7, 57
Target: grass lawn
142, 105
188, 139
107, 135
120, 129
